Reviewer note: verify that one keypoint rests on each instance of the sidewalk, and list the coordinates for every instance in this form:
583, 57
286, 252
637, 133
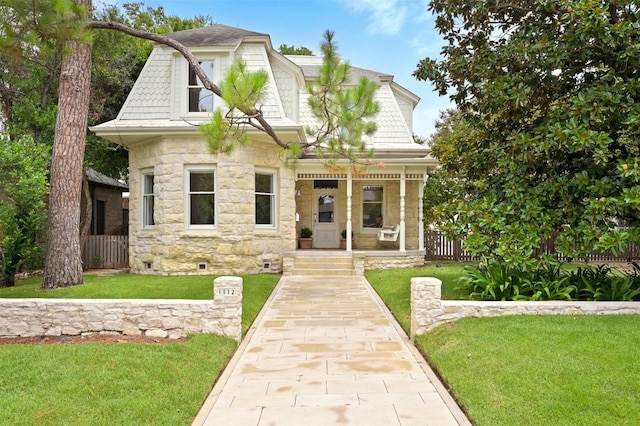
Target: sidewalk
326, 351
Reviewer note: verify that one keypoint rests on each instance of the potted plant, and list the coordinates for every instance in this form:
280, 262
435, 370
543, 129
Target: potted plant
305, 238
343, 239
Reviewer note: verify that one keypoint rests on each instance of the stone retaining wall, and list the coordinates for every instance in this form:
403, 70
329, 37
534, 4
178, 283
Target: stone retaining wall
429, 311
157, 318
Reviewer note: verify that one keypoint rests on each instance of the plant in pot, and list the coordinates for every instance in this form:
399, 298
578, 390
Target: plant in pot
343, 239
305, 238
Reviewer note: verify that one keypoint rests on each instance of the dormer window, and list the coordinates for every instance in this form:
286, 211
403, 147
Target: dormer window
200, 100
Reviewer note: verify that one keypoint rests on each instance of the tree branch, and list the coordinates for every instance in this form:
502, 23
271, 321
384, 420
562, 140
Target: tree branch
195, 66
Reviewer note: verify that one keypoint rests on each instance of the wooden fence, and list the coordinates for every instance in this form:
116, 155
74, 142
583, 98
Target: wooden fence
106, 252
440, 247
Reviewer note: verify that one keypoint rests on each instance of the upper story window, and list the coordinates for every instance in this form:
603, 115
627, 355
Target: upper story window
199, 98
201, 197
372, 206
147, 199
265, 199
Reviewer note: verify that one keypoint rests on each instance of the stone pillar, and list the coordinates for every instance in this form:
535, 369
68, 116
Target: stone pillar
426, 304
227, 294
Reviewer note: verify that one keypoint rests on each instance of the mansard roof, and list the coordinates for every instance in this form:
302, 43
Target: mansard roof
215, 35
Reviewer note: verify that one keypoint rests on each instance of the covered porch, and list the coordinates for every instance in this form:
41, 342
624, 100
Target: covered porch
381, 208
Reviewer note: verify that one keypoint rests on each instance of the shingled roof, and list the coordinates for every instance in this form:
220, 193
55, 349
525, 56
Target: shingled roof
215, 35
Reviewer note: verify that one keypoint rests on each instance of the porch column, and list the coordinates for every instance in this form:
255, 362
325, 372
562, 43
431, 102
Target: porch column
349, 196
403, 190
421, 212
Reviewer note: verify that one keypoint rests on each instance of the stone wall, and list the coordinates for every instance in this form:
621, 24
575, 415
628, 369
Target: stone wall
393, 259
157, 318
429, 311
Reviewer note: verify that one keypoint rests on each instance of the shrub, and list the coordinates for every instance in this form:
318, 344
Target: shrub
305, 233
549, 281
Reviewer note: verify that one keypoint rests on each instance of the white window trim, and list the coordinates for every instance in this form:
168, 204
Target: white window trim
145, 195
274, 207
384, 206
187, 196
184, 86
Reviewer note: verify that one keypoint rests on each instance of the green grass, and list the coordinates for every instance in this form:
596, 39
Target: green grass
256, 289
108, 384
117, 383
394, 286
541, 370
527, 370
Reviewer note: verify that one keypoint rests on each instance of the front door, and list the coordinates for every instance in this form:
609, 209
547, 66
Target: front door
325, 219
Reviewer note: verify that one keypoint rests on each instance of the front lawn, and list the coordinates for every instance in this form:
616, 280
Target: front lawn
110, 383
533, 370
120, 383
541, 370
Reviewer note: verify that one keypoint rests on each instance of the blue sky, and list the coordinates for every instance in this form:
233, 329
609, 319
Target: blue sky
389, 36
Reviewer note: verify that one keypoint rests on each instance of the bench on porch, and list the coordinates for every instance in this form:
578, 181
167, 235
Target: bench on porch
389, 233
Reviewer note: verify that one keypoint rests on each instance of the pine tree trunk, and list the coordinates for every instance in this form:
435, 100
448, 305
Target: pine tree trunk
63, 263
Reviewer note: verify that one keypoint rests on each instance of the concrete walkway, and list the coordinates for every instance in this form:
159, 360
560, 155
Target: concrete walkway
326, 351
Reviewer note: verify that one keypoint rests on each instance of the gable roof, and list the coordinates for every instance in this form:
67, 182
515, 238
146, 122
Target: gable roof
215, 35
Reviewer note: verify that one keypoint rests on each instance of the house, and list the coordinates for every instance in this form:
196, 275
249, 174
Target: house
193, 211
109, 204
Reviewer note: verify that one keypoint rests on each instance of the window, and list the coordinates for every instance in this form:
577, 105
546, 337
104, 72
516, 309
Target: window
200, 99
372, 206
201, 199
265, 199
147, 200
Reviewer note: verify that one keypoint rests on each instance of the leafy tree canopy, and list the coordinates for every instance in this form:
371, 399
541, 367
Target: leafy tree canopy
548, 94
292, 50
29, 88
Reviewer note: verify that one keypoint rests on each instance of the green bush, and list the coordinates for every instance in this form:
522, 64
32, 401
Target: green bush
550, 281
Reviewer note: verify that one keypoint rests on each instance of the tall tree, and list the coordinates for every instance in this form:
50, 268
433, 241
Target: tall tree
63, 264
550, 91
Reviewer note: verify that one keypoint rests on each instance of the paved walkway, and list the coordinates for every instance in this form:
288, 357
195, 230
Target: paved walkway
326, 351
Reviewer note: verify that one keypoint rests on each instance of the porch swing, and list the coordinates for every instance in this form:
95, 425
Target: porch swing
388, 233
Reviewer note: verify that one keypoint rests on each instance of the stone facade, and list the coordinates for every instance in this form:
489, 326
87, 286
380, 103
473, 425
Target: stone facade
156, 318
429, 311
235, 244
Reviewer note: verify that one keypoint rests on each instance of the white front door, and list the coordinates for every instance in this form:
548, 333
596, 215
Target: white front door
325, 219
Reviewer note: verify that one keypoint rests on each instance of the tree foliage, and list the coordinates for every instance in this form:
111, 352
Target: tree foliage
292, 50
343, 110
548, 93
23, 189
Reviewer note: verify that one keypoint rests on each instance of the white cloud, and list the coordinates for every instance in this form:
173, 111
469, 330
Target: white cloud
386, 16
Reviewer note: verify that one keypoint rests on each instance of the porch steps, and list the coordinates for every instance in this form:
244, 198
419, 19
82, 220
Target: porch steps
323, 264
